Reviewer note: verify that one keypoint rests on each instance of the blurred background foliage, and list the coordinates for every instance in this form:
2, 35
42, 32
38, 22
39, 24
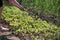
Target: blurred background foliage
38, 29
44, 6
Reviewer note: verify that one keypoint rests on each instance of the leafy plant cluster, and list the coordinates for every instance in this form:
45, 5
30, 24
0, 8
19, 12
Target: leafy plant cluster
23, 23
44, 6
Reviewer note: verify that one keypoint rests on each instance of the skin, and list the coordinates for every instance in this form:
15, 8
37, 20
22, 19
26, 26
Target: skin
14, 3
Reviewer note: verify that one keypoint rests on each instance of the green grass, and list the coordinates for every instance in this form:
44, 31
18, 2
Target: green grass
44, 6
23, 23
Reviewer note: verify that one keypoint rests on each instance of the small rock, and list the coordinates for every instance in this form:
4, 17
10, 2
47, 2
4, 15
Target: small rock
13, 38
5, 33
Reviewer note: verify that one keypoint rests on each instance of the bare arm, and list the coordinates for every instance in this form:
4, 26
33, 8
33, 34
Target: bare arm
15, 3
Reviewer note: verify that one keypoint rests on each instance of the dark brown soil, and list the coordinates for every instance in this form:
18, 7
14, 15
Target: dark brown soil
47, 17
